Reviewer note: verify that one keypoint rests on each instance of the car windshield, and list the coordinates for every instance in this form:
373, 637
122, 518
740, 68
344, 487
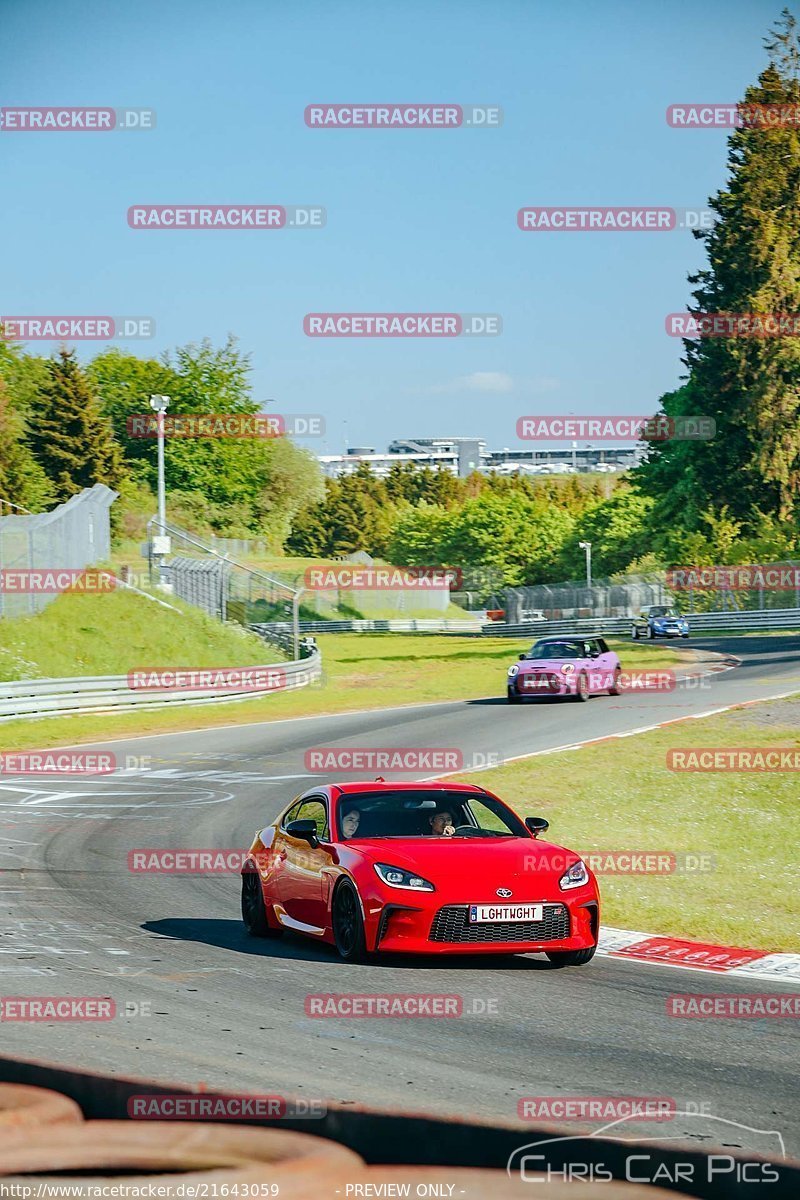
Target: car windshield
558, 650
424, 814
663, 612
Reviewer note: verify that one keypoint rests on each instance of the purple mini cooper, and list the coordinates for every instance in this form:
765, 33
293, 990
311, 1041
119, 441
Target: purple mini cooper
564, 666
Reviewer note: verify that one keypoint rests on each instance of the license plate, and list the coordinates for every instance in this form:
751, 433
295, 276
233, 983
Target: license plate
539, 683
505, 912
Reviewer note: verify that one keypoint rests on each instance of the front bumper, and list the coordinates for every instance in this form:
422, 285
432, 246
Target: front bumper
553, 684
434, 926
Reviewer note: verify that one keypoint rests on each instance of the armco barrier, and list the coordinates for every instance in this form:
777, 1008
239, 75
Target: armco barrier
363, 625
754, 621
32, 698
745, 622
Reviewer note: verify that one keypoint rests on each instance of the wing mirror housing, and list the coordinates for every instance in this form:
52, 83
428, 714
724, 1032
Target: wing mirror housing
306, 831
537, 825
522, 656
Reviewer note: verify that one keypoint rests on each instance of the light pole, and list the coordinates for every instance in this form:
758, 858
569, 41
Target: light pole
160, 404
160, 543
587, 547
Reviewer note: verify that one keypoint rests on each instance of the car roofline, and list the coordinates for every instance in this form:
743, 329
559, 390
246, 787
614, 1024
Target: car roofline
380, 785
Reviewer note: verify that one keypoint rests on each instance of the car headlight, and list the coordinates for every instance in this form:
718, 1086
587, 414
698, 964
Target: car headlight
567, 669
512, 671
396, 877
576, 876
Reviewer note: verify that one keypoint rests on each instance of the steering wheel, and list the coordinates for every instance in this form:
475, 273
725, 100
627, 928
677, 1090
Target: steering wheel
466, 831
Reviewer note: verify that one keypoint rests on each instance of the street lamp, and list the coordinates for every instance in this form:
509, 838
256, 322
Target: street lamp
160, 541
587, 547
160, 404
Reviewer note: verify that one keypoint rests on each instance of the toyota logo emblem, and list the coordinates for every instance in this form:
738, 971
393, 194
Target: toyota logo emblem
504, 892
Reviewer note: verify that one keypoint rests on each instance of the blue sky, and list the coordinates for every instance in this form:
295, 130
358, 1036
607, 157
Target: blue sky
421, 221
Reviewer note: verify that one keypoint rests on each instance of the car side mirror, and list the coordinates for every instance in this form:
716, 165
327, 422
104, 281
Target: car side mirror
537, 825
594, 654
522, 656
306, 831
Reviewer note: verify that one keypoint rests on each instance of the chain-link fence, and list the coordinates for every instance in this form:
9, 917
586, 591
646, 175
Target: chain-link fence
625, 596
230, 591
605, 598
74, 535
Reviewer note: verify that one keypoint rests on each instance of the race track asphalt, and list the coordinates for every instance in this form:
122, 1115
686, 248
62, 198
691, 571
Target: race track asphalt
229, 1011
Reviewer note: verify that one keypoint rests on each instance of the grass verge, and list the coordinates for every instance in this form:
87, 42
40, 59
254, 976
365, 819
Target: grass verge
601, 797
86, 635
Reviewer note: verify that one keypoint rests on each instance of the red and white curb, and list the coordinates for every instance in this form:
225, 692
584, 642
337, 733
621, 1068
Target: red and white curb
699, 956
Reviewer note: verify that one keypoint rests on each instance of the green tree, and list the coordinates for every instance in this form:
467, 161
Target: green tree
70, 438
22, 480
124, 385
23, 374
749, 385
235, 485
616, 529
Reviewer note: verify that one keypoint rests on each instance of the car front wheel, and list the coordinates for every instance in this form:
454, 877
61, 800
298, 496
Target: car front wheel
635, 633
571, 958
614, 690
650, 633
348, 924
582, 688
513, 698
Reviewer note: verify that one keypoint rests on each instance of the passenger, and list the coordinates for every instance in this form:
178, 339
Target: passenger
350, 823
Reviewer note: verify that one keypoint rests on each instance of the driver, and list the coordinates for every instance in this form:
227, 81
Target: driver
442, 824
350, 823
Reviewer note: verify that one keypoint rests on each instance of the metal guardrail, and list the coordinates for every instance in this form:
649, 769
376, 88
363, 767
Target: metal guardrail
32, 698
399, 625
745, 622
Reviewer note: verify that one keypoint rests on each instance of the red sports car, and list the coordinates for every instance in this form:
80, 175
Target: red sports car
432, 868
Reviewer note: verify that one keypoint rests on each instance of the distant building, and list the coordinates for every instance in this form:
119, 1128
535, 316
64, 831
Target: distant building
463, 455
